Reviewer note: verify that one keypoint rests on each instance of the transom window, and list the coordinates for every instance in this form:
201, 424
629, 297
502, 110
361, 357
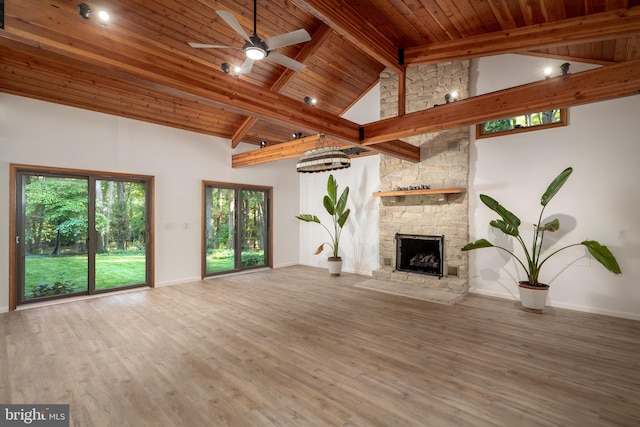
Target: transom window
524, 123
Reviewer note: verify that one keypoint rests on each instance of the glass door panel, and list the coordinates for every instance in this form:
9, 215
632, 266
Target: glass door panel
120, 234
220, 229
254, 228
53, 228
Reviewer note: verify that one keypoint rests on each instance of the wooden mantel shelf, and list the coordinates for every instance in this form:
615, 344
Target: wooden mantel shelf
452, 190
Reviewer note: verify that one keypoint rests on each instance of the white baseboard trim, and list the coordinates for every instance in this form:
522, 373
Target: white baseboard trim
287, 264
574, 307
4, 309
177, 282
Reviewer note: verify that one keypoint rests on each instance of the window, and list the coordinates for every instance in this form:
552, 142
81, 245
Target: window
236, 228
524, 123
78, 233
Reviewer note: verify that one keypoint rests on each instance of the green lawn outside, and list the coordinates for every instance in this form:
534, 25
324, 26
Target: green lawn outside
112, 270
68, 274
223, 260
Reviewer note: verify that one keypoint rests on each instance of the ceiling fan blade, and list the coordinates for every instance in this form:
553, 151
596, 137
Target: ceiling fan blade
211, 46
285, 61
246, 66
233, 23
287, 39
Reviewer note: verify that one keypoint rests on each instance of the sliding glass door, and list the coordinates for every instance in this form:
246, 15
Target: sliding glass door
236, 228
79, 234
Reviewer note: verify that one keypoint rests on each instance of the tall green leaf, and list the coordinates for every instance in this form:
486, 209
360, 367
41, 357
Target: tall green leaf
555, 185
308, 218
603, 255
329, 205
506, 215
553, 225
505, 227
332, 189
343, 218
342, 202
478, 244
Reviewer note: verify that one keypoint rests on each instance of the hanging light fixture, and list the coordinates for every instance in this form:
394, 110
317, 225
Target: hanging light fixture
84, 10
323, 158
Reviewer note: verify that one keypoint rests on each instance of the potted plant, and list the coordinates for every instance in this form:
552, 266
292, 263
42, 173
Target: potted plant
533, 294
336, 207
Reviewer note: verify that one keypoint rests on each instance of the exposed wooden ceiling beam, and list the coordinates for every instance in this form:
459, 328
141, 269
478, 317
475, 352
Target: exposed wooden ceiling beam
612, 81
317, 39
357, 30
285, 150
588, 28
295, 148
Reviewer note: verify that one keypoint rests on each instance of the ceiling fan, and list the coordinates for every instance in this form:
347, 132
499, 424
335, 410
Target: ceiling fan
255, 48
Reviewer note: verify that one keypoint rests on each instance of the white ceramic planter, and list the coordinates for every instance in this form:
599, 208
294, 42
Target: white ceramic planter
533, 298
335, 266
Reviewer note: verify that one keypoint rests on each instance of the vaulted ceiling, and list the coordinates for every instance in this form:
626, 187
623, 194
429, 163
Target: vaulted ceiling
141, 66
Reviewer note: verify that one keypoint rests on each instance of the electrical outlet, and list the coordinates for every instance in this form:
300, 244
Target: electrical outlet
622, 235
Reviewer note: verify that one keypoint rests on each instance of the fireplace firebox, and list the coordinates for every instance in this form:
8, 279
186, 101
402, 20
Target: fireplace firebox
418, 253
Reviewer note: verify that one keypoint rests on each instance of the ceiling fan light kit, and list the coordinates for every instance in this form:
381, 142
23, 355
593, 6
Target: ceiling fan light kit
254, 52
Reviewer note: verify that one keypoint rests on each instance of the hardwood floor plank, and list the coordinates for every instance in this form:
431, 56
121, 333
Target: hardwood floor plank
296, 347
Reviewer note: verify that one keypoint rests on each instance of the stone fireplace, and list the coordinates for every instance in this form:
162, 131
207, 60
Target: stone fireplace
444, 162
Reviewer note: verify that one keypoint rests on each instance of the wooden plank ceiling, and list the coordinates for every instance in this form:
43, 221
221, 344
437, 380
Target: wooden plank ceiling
140, 65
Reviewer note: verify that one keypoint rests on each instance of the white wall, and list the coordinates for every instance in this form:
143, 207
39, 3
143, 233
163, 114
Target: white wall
359, 242
599, 201
44, 134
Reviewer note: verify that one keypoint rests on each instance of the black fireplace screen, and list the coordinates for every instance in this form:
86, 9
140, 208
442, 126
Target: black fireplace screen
420, 254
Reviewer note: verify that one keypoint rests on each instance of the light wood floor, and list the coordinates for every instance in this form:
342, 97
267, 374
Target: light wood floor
295, 347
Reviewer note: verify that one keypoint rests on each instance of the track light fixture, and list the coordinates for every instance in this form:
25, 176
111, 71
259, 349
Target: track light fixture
310, 101
451, 97
84, 10
564, 69
263, 144
225, 67
296, 135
